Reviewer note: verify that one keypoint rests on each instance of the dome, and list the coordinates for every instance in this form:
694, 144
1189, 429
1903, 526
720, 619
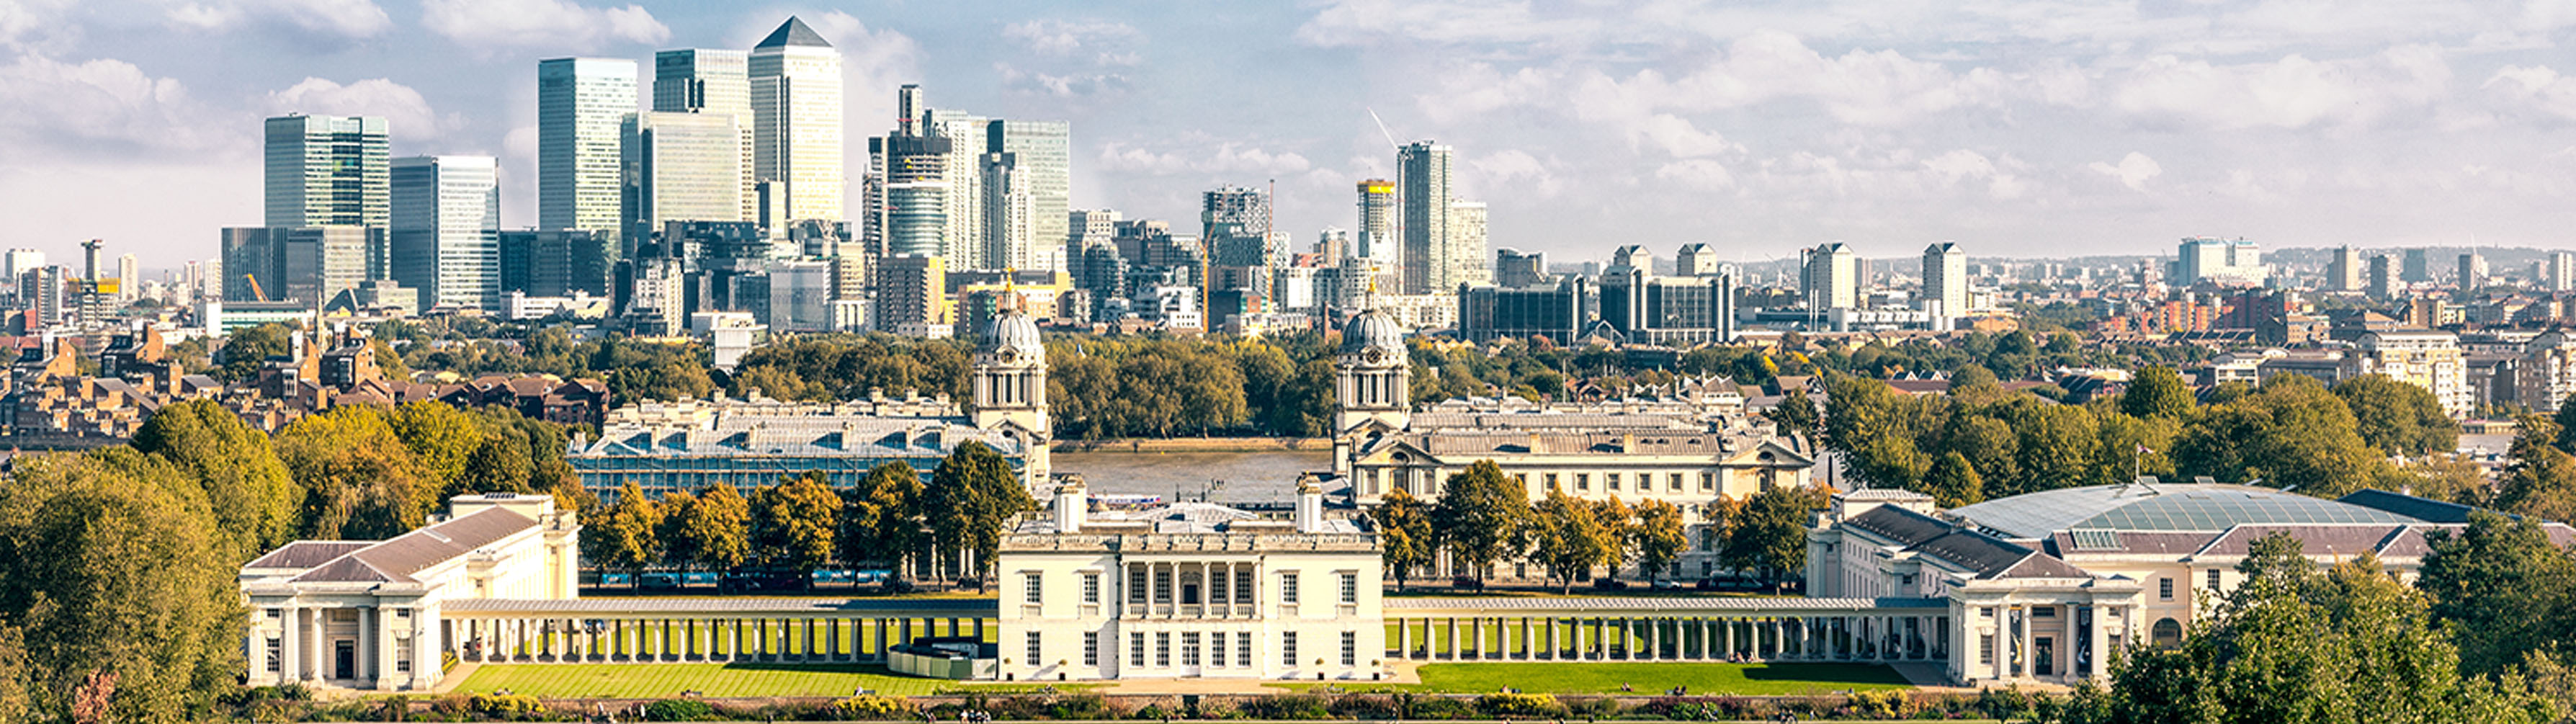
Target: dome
1013, 332
1373, 330
2161, 507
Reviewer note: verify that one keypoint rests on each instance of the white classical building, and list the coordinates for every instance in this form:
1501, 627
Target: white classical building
367, 614
1189, 590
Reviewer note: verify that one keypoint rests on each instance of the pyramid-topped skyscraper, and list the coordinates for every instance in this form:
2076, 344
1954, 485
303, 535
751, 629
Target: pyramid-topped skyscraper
796, 104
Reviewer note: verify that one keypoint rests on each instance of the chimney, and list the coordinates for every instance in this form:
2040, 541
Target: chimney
1310, 504
1071, 504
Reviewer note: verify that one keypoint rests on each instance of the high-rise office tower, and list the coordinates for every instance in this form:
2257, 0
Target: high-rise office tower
796, 132
446, 229
1235, 221
580, 104
1945, 279
1332, 244
1465, 261
558, 263
1695, 259
2472, 272
1377, 239
129, 277
2223, 261
1514, 269
327, 171
2344, 270
2386, 277
1008, 206
1039, 154
1422, 176
1832, 277
681, 167
19, 261
2418, 268
2562, 271
701, 80
309, 264
962, 240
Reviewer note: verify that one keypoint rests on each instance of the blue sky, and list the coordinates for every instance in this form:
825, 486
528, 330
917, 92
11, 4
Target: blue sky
2018, 127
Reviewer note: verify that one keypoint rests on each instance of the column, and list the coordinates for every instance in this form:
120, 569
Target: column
2029, 642
290, 648
1403, 639
2101, 647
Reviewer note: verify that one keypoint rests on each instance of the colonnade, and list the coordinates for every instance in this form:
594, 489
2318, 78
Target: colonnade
1816, 636
688, 638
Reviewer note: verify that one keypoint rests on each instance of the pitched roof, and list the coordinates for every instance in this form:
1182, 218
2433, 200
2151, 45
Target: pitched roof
793, 33
308, 553
396, 559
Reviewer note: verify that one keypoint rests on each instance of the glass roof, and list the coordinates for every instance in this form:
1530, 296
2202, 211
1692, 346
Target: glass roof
2162, 507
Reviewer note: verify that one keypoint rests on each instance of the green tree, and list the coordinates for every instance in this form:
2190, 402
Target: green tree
713, 533
1405, 537
1567, 538
1659, 537
1795, 413
2157, 392
110, 567
881, 519
2541, 484
1483, 517
624, 535
1953, 482
246, 350
793, 522
254, 498
2291, 433
1618, 532
2504, 588
1770, 535
359, 481
441, 437
972, 495
2398, 418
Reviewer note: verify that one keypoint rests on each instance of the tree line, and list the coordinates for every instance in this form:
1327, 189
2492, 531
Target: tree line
1484, 517
798, 524
2292, 432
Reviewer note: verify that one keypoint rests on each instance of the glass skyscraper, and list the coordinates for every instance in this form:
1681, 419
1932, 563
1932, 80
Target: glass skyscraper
446, 229
580, 102
326, 171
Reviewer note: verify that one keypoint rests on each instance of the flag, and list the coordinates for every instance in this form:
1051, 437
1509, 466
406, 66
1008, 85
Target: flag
2143, 450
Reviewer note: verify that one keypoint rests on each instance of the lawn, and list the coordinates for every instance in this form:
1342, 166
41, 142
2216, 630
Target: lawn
638, 681
1643, 678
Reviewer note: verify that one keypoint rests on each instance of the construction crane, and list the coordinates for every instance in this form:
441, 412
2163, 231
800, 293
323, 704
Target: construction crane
255, 292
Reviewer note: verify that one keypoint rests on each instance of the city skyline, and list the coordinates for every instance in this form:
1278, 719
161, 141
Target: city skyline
1758, 130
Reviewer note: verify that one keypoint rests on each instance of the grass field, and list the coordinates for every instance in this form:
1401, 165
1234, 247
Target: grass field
636, 681
1643, 678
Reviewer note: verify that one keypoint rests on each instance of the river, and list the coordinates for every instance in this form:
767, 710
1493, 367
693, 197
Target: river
1268, 476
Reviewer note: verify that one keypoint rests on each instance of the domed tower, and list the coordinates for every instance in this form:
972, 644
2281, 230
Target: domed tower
1374, 375
1011, 386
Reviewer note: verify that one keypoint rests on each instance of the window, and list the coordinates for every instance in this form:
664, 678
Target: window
1162, 586
1551, 482
1190, 649
1288, 648
1350, 648
1609, 481
1673, 482
2166, 634
2213, 579
1136, 650
1707, 482
2164, 588
1243, 588
1350, 587
1136, 586
1037, 651
1091, 648
1287, 588
1986, 649
1034, 582
1986, 612
1522, 478
1243, 649
274, 646
1583, 481
2043, 612
1162, 649
1091, 588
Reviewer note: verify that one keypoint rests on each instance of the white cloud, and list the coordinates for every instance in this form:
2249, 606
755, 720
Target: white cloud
1510, 168
102, 108
37, 24
2293, 92
1202, 157
1698, 173
1069, 85
2133, 170
1406, 22
334, 18
406, 113
550, 24
1105, 42
2534, 88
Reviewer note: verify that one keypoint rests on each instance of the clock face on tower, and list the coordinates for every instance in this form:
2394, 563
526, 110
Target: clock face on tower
1373, 355
1010, 356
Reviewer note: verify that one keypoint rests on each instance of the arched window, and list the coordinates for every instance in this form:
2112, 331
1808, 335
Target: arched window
2167, 634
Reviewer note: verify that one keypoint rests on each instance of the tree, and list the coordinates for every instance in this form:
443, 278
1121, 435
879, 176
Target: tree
624, 535
1659, 537
359, 481
793, 522
1404, 534
246, 350
972, 495
2504, 588
111, 571
441, 436
713, 533
1770, 535
1618, 532
1953, 482
1795, 413
2157, 392
2398, 418
2541, 485
1483, 517
1567, 538
2292, 433
254, 498
881, 519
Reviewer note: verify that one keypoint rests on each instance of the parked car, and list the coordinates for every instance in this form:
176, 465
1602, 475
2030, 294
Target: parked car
894, 587
661, 581
1466, 583
1666, 584
1609, 584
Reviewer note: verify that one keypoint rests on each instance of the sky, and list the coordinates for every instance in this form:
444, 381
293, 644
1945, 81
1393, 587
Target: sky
2017, 127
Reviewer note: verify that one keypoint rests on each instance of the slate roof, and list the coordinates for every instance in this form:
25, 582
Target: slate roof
308, 553
2423, 509
1986, 556
794, 33
396, 559
2331, 541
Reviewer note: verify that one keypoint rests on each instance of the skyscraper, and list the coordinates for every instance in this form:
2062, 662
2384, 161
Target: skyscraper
129, 277
580, 102
2561, 274
326, 171
1832, 277
1235, 221
1945, 280
1464, 261
2472, 272
2386, 277
1422, 175
19, 261
2418, 267
962, 239
710, 81
446, 229
2344, 270
1040, 156
680, 167
908, 204
1377, 239
797, 106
